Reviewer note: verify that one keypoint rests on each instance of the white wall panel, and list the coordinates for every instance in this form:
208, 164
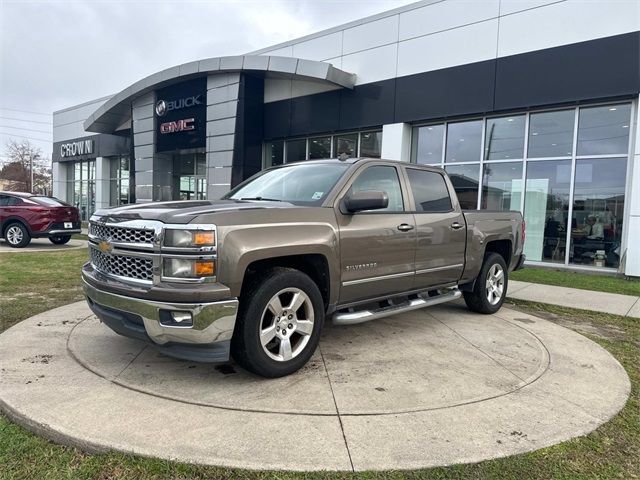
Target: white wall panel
372, 65
70, 131
445, 15
370, 35
567, 22
507, 7
473, 43
321, 48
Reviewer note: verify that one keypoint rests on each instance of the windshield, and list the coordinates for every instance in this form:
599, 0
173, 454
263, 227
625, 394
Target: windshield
300, 184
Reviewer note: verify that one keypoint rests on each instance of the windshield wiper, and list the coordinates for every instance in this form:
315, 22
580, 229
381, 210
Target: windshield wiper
262, 198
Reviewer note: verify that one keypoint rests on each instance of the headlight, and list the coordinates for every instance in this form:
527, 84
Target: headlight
188, 268
189, 238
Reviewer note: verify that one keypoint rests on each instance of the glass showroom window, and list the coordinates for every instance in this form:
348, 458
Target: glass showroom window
319, 148
274, 153
504, 138
82, 183
502, 186
464, 141
119, 181
346, 145
465, 180
296, 150
427, 144
586, 147
371, 144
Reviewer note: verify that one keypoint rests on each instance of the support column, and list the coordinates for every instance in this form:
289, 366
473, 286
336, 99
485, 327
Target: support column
396, 142
103, 174
143, 147
632, 264
59, 177
222, 106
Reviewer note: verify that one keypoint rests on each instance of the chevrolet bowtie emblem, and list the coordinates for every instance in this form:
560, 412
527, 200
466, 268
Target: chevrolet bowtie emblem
105, 246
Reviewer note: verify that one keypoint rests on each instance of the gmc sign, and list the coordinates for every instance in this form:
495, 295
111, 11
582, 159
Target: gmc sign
183, 125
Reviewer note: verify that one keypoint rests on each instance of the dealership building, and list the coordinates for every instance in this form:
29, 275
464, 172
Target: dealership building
529, 105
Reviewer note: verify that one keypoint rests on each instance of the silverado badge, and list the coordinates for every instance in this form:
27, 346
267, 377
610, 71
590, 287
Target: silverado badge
105, 246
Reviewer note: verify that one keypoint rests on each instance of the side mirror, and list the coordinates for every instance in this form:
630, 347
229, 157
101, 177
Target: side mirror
366, 200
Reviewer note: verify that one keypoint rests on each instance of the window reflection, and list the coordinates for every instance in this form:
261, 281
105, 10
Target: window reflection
346, 145
464, 141
604, 130
502, 186
296, 150
465, 180
598, 211
319, 148
551, 134
274, 153
371, 144
427, 144
546, 209
504, 138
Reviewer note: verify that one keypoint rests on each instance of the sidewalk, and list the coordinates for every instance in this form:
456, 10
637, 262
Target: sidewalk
624, 305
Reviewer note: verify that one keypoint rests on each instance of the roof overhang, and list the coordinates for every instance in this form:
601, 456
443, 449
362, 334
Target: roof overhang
117, 110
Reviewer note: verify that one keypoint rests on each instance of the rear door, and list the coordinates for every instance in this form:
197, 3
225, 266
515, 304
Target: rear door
376, 247
441, 229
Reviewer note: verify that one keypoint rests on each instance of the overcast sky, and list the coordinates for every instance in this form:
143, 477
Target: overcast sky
55, 54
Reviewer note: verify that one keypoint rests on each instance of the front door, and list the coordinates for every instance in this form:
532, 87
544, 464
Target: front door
440, 227
376, 247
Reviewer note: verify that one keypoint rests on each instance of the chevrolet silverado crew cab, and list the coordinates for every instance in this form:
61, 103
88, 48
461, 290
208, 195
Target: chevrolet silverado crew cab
255, 274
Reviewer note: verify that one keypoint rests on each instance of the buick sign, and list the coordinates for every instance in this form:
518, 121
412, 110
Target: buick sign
163, 106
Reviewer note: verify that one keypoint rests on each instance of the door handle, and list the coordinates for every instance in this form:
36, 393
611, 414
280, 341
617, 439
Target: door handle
405, 227
456, 225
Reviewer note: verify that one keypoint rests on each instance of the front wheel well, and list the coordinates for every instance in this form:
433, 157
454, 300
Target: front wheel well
315, 266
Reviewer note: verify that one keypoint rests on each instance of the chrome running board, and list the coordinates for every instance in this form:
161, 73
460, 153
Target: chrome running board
360, 316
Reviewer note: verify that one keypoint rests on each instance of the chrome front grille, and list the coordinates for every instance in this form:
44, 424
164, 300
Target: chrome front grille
138, 268
121, 234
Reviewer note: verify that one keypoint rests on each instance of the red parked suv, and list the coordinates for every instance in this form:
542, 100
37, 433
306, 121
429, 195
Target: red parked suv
24, 216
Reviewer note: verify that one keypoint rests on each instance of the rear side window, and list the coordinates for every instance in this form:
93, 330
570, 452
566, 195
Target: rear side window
8, 201
430, 192
383, 178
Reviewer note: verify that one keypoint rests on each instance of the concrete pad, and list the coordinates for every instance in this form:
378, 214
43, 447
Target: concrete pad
427, 388
634, 311
43, 245
575, 298
515, 286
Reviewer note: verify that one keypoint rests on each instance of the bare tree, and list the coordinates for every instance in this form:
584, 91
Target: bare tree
26, 169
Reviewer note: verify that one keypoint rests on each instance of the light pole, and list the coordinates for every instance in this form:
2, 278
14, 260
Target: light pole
32, 158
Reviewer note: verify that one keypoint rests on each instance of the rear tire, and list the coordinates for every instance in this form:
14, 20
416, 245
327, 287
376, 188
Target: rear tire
60, 239
279, 323
490, 288
17, 235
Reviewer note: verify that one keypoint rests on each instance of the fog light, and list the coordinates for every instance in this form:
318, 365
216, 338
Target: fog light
176, 318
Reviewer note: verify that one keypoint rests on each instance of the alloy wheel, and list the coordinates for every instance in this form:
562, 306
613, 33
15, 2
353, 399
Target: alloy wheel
495, 284
14, 235
287, 324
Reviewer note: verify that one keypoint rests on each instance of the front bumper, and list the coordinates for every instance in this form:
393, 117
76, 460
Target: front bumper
520, 264
207, 340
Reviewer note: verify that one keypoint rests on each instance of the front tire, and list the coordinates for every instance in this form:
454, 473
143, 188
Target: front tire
60, 239
279, 323
490, 288
17, 235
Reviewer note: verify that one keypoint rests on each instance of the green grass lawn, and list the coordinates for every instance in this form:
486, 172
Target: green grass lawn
35, 282
599, 283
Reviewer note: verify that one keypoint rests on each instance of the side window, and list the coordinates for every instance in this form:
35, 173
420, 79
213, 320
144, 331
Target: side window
8, 201
430, 192
381, 178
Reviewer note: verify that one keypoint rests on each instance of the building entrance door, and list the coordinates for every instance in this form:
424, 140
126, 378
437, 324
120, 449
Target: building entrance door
190, 176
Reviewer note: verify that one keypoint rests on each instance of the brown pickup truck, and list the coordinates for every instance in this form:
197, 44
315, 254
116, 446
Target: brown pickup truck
255, 274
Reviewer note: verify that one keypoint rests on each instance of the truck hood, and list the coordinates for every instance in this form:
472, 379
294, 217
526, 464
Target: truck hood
183, 211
